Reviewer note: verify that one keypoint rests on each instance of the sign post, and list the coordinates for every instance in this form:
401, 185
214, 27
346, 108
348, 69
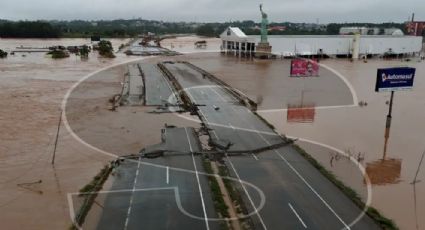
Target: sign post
388, 124
393, 79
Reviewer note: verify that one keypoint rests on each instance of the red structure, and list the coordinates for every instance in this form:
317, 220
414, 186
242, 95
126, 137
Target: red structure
303, 114
416, 28
304, 68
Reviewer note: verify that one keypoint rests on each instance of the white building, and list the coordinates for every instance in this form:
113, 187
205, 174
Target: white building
370, 31
233, 39
343, 44
353, 30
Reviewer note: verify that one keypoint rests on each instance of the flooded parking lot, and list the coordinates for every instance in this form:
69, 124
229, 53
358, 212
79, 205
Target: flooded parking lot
359, 131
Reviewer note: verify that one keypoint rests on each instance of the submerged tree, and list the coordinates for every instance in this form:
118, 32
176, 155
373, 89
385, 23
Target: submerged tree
106, 49
3, 54
58, 53
84, 52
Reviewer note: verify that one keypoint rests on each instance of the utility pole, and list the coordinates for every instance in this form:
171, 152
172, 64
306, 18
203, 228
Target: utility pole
57, 138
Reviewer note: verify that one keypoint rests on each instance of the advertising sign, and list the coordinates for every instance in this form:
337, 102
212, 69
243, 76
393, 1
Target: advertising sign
304, 68
395, 79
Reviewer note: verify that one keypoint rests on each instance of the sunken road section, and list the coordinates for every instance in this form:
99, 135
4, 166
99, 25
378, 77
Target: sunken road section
151, 194
297, 195
171, 191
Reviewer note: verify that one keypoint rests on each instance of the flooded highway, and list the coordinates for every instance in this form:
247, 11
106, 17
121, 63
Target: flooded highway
322, 112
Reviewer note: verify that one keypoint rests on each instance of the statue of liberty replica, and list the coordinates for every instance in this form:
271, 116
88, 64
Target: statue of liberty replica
263, 49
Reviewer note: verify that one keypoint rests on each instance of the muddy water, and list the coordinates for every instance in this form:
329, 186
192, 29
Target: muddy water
32, 191
356, 131
33, 86
353, 130
187, 44
122, 132
362, 130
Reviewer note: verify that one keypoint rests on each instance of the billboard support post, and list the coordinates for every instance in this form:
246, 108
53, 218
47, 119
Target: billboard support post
389, 116
393, 79
388, 124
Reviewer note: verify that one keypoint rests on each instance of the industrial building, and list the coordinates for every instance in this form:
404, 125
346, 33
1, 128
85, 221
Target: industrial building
416, 28
370, 31
234, 40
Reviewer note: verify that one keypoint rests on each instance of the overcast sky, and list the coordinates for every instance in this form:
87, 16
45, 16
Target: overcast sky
215, 10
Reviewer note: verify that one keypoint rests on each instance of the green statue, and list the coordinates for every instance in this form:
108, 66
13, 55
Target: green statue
264, 23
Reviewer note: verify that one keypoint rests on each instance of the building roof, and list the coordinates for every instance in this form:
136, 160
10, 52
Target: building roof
238, 32
234, 34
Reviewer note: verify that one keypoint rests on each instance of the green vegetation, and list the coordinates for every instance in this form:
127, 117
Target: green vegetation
84, 52
89, 192
217, 196
3, 54
382, 221
131, 28
236, 197
105, 49
28, 29
207, 30
58, 54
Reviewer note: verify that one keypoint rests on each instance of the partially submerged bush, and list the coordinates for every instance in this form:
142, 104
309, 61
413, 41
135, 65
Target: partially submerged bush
3, 54
106, 49
58, 53
84, 51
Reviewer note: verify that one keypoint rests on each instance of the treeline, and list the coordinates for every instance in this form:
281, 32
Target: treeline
134, 27
120, 28
252, 28
28, 29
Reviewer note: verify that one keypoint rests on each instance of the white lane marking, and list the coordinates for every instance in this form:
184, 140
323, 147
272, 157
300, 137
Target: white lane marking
173, 93
247, 194
132, 196
298, 216
345, 80
205, 117
199, 183
255, 157
168, 175
219, 95
308, 185
296, 172
231, 126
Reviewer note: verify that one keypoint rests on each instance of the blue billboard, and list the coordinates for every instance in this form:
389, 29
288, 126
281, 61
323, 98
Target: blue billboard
394, 79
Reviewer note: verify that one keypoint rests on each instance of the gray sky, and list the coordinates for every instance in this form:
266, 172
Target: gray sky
215, 10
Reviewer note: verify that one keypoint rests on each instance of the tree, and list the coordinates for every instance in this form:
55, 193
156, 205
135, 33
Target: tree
84, 52
28, 29
3, 54
206, 30
106, 49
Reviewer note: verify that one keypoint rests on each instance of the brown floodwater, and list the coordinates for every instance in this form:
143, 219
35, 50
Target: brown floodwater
316, 112
32, 191
33, 86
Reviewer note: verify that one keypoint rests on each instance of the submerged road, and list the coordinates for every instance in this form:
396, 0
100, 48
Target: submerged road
297, 195
158, 91
152, 194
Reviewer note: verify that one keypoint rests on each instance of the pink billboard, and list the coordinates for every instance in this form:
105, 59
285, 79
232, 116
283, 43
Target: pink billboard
304, 68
